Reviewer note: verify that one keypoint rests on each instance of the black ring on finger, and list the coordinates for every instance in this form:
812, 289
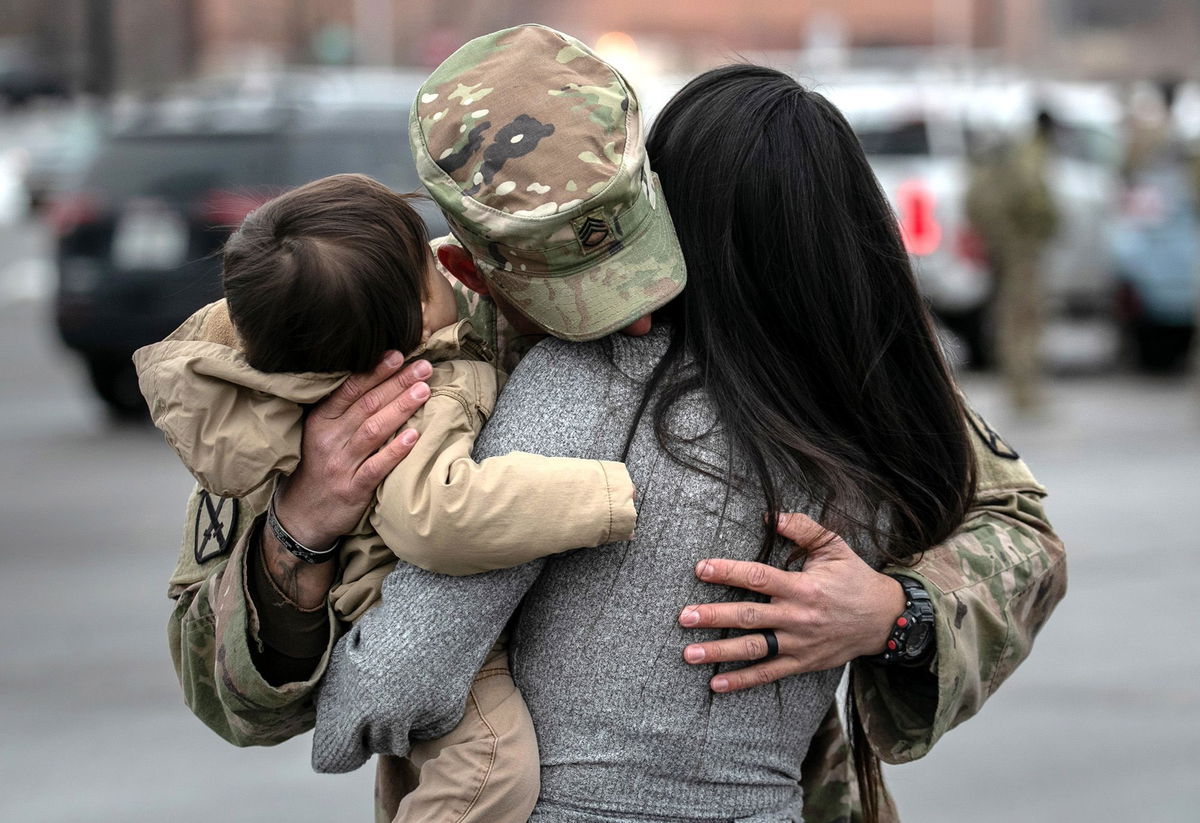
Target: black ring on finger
772, 643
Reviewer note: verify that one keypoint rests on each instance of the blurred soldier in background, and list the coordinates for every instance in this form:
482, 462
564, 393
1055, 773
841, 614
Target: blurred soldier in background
1009, 204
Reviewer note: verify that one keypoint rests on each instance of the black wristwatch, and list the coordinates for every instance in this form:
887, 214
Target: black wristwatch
912, 640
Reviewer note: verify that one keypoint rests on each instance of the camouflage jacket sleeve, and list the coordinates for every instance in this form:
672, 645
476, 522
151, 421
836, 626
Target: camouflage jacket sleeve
213, 630
994, 584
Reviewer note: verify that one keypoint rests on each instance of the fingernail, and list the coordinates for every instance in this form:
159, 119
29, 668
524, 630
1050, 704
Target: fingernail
422, 368
408, 437
703, 569
693, 654
420, 391
720, 684
690, 617
393, 359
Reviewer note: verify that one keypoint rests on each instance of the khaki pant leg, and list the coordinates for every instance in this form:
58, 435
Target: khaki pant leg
1019, 329
395, 777
486, 770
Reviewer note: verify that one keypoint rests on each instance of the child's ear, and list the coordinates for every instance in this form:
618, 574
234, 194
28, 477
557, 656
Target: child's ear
456, 261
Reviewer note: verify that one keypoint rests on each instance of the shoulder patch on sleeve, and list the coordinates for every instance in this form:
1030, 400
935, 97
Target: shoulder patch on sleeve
215, 526
994, 442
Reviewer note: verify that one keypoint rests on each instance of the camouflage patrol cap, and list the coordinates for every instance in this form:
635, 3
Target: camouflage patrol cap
532, 146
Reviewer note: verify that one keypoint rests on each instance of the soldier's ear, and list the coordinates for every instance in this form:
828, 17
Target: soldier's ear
456, 261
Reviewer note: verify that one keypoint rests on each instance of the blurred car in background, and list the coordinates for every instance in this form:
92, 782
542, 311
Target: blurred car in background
1158, 265
919, 136
60, 151
23, 77
138, 243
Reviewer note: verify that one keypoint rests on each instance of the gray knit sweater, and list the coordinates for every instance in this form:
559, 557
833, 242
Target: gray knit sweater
627, 731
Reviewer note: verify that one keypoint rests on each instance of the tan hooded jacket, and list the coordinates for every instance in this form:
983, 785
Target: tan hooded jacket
237, 429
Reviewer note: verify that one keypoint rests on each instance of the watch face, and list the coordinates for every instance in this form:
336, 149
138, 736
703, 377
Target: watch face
918, 639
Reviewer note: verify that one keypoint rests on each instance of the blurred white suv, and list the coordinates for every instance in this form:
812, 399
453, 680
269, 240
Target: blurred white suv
919, 135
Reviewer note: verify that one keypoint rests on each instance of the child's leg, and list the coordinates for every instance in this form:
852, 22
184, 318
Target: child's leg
486, 770
395, 777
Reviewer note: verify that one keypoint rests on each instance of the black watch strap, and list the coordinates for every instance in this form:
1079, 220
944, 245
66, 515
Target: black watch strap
295, 546
911, 642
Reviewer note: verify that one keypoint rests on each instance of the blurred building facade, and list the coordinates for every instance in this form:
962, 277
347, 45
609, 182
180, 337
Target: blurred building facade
142, 44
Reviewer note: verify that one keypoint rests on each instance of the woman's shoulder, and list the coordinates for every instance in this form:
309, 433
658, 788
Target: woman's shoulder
617, 354
571, 399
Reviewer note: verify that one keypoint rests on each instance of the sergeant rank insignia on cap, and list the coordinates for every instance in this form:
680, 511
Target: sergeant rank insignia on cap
592, 231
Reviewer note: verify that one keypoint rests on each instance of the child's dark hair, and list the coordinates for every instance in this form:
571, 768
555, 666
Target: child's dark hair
327, 277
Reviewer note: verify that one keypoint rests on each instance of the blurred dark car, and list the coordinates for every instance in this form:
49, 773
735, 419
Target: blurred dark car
23, 77
139, 243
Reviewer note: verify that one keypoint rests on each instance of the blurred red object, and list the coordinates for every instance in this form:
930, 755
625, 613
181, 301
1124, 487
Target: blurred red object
969, 245
70, 211
919, 227
228, 209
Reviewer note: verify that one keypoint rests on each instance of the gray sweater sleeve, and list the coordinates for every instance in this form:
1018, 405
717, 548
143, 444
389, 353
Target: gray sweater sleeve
404, 670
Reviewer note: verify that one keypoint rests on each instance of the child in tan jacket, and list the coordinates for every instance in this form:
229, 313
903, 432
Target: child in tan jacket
319, 283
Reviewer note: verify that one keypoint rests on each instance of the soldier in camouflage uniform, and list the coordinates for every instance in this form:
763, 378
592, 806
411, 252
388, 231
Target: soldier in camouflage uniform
993, 584
1010, 204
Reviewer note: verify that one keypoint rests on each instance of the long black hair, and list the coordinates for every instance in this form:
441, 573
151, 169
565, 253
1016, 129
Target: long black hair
803, 321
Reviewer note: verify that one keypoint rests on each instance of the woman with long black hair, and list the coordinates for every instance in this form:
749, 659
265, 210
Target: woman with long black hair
803, 325
802, 317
